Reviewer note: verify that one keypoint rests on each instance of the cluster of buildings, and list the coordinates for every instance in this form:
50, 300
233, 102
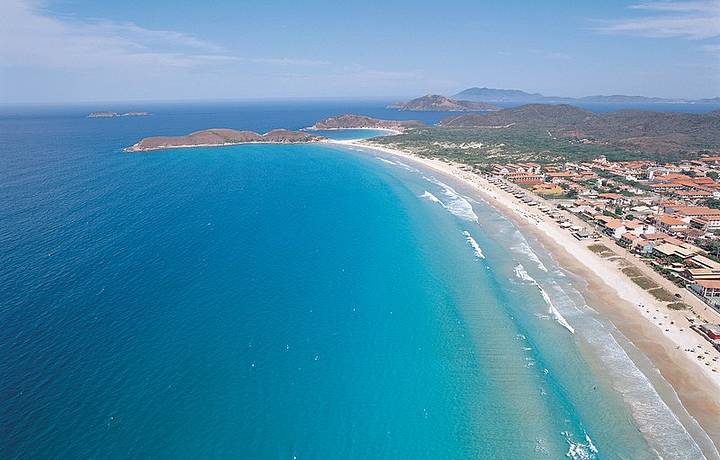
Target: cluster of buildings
666, 213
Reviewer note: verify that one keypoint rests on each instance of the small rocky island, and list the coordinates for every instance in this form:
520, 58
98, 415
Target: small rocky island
116, 114
350, 121
437, 103
222, 136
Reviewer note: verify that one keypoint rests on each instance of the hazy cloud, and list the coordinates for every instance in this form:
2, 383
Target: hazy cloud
685, 19
30, 37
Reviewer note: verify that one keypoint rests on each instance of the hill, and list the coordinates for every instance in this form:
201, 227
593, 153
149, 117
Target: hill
437, 103
514, 96
222, 136
351, 121
498, 95
637, 130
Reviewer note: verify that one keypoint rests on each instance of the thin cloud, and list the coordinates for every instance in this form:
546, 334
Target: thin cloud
31, 37
672, 19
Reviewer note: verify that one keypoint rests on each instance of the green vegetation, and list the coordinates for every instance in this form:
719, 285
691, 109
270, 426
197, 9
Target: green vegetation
645, 283
662, 294
601, 250
678, 306
632, 272
478, 146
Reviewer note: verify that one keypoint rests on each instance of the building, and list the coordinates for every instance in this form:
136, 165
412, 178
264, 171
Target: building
670, 224
709, 289
525, 178
669, 249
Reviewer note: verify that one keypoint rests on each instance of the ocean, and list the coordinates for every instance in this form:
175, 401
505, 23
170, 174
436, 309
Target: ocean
288, 302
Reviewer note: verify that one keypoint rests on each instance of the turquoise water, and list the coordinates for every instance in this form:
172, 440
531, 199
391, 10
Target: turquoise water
297, 301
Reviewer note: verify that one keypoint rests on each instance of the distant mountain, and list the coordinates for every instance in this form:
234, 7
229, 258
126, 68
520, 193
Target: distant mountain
437, 103
498, 95
350, 121
641, 130
115, 114
714, 100
515, 96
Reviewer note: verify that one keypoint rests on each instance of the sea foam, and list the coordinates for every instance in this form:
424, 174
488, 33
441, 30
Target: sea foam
474, 244
432, 198
580, 450
527, 250
521, 273
456, 203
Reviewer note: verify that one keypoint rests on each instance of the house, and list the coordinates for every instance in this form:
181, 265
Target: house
612, 198
670, 224
629, 240
669, 249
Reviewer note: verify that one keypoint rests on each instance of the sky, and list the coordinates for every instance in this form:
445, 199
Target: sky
101, 50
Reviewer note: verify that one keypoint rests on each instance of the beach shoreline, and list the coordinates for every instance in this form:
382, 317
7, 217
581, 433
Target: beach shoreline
614, 296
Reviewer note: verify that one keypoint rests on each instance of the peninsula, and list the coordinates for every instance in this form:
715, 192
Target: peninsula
351, 121
223, 136
437, 103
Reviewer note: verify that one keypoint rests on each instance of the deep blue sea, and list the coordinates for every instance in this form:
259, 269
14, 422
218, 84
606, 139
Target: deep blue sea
288, 302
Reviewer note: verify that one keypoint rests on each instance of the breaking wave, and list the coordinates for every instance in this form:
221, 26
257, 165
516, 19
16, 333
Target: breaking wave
474, 244
456, 203
386, 161
527, 250
521, 273
432, 198
580, 450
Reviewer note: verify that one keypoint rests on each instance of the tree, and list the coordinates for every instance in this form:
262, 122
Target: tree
712, 175
713, 203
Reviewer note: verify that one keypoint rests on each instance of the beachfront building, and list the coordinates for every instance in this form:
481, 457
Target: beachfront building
707, 289
522, 178
672, 250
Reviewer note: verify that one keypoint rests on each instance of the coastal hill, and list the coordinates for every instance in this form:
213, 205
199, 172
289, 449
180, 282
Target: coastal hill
223, 136
437, 103
515, 96
350, 121
115, 114
637, 130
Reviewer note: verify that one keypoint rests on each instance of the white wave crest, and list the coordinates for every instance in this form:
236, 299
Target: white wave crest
456, 203
432, 198
386, 161
554, 311
523, 275
580, 450
474, 244
527, 250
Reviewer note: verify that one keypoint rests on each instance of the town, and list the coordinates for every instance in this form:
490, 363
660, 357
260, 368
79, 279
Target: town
665, 215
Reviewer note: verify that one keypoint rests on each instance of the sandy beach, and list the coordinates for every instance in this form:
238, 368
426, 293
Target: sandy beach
685, 360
